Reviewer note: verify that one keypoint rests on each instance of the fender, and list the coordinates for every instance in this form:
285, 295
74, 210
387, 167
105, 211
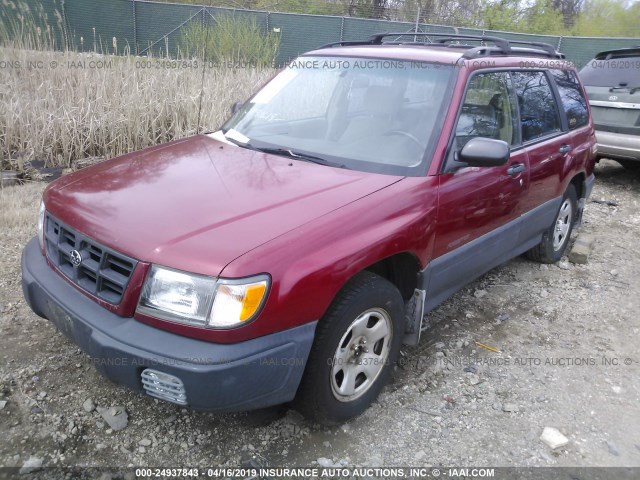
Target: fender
312, 263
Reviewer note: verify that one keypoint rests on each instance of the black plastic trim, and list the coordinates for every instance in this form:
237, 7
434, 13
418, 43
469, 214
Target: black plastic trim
450, 272
246, 375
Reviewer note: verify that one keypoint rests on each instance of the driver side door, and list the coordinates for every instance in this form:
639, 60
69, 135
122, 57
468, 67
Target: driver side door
476, 228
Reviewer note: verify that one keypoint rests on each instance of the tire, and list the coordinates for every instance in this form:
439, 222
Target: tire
355, 348
556, 238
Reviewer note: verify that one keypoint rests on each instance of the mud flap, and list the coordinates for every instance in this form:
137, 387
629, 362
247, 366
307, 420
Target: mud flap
414, 312
578, 223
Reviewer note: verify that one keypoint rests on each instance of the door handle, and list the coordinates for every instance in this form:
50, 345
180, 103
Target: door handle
515, 169
565, 148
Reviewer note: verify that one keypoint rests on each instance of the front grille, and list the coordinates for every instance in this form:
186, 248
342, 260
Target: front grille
93, 267
164, 386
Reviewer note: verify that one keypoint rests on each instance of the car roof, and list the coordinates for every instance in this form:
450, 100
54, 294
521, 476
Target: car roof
440, 56
393, 52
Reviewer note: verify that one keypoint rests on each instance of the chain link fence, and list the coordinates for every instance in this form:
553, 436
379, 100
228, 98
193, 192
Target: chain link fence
154, 87
142, 27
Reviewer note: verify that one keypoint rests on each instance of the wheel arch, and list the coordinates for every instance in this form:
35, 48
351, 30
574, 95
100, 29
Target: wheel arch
578, 181
401, 269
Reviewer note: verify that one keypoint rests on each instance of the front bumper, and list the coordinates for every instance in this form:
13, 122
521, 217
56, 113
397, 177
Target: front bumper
618, 146
253, 374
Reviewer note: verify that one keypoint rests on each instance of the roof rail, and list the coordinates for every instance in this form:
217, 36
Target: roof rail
501, 45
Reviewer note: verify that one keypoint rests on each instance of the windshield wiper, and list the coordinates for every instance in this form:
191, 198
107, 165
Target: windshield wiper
287, 152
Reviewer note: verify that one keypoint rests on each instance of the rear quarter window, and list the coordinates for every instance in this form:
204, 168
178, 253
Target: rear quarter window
573, 102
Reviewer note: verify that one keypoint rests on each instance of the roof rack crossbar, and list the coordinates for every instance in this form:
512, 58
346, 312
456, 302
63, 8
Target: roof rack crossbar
502, 45
476, 52
447, 37
544, 46
345, 43
437, 44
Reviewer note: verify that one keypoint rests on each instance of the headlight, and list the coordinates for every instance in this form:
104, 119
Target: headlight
41, 224
177, 296
200, 300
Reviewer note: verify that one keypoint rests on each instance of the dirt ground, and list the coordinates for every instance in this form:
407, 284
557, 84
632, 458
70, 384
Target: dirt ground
567, 337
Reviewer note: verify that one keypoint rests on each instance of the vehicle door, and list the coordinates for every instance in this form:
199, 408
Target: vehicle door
478, 206
544, 141
575, 121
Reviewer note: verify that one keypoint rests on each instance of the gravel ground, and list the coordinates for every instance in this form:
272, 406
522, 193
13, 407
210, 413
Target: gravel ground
567, 358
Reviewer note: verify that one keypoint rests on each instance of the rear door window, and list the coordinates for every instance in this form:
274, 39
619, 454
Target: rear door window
538, 111
572, 98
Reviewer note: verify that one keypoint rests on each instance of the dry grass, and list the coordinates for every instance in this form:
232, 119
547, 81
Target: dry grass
67, 108
19, 210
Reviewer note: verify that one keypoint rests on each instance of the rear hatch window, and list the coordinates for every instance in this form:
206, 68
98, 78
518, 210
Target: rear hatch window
612, 82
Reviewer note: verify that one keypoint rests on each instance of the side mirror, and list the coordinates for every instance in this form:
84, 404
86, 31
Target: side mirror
236, 106
484, 152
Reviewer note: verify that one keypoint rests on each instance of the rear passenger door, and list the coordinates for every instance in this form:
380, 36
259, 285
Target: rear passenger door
576, 117
542, 137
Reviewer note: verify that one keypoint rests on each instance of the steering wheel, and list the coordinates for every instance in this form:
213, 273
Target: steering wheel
408, 135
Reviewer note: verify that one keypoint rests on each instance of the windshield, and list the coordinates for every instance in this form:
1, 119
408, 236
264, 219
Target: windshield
365, 114
615, 72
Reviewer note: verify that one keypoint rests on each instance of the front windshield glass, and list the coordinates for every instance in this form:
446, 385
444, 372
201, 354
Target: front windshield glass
359, 113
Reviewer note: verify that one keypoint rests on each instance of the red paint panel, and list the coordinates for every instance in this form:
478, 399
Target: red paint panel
198, 204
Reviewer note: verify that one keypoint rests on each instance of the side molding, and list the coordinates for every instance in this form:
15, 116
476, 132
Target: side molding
450, 272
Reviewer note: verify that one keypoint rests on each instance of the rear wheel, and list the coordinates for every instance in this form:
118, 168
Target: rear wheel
556, 238
356, 345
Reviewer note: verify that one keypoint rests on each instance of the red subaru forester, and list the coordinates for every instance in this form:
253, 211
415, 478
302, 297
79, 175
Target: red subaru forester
288, 255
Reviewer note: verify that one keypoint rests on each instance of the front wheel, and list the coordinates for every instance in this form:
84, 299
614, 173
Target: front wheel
556, 238
356, 345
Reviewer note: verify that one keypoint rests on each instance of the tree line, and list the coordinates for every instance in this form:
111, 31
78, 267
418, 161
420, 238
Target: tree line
606, 18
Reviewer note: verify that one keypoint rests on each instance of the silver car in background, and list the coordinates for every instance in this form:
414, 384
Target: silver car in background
612, 82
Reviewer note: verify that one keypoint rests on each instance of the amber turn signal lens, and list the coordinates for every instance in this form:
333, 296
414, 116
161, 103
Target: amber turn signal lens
252, 299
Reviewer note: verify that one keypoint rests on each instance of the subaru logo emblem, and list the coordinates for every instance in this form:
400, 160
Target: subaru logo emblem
76, 258
613, 98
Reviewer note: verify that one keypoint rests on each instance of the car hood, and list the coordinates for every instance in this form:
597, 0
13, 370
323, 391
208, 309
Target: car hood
198, 203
